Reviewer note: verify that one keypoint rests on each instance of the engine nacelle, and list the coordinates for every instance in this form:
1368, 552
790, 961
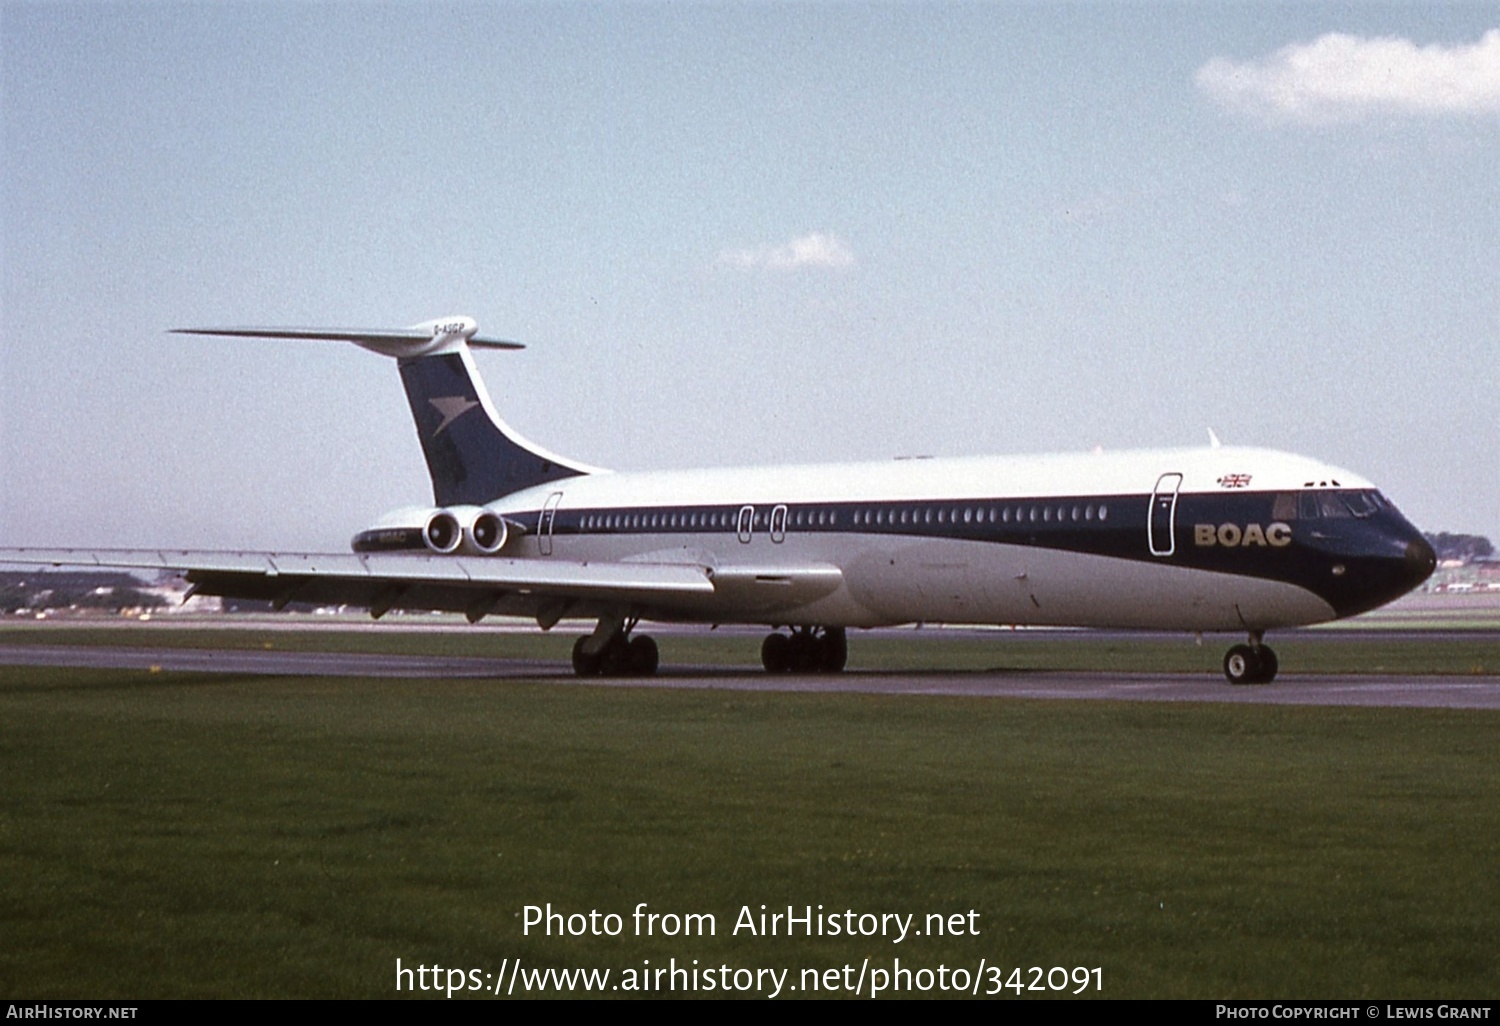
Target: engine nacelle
472, 530
485, 532
442, 533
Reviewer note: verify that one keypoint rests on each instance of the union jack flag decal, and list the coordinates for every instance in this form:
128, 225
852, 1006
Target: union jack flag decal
1235, 481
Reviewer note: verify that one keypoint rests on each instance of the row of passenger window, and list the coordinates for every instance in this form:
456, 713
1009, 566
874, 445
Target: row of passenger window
720, 521
761, 518
1006, 514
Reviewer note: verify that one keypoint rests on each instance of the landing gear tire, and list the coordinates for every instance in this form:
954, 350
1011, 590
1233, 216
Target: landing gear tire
586, 664
776, 653
644, 656
1244, 664
835, 650
805, 650
1268, 665
621, 656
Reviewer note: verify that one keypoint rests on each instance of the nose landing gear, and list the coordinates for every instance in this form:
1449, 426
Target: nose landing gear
1254, 663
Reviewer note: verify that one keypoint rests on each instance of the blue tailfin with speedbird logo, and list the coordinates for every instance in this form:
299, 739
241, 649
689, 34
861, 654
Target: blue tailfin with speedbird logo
473, 457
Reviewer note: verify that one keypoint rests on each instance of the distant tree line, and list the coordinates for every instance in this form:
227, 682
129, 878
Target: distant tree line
112, 592
1463, 547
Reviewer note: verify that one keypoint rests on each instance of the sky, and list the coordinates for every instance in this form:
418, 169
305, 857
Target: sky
736, 233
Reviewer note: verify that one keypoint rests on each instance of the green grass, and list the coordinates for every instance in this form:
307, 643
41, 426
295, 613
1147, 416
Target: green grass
178, 835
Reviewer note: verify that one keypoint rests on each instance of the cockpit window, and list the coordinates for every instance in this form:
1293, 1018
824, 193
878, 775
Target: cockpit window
1331, 506
1339, 505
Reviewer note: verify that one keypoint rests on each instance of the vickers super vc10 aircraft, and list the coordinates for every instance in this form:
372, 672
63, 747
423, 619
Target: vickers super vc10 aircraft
1213, 539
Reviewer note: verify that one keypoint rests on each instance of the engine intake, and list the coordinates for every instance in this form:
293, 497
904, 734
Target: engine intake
486, 534
443, 533
473, 530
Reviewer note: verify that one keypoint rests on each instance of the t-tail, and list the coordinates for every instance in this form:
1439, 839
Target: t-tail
472, 455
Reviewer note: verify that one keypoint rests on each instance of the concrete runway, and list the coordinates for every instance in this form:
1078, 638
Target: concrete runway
1436, 692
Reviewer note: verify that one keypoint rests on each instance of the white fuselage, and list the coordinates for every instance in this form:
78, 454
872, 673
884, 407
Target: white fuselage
979, 540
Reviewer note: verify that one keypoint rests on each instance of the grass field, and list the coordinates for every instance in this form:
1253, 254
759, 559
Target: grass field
177, 835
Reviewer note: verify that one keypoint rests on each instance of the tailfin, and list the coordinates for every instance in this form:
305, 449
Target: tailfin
472, 458
472, 455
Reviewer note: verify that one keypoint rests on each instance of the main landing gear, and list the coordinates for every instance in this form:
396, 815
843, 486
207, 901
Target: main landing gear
805, 650
611, 652
1254, 663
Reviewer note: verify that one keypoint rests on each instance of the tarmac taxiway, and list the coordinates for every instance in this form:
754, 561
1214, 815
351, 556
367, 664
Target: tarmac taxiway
1390, 690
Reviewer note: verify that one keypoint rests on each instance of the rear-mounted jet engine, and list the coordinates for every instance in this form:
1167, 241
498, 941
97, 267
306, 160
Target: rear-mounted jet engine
467, 530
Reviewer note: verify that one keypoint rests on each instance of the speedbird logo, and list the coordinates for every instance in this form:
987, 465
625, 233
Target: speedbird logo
451, 407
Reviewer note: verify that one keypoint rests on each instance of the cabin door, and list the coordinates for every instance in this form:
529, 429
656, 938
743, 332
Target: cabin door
544, 527
1161, 527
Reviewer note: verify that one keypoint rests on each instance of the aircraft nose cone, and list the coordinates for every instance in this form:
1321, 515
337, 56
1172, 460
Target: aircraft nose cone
1419, 562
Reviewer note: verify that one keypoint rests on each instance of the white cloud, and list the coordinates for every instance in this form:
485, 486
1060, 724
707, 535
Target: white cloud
1345, 78
814, 250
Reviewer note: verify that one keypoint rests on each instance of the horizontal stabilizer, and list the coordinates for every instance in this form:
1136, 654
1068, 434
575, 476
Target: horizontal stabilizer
430, 337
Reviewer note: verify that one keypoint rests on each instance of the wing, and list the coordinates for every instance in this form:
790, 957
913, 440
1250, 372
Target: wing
545, 589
